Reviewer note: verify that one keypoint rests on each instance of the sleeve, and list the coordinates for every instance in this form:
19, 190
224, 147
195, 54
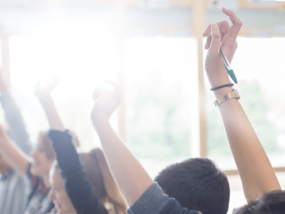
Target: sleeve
154, 201
77, 186
15, 121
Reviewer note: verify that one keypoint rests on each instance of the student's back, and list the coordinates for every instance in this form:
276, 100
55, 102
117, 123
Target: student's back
196, 184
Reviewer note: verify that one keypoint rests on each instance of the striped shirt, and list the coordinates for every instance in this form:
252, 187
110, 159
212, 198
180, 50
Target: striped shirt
13, 193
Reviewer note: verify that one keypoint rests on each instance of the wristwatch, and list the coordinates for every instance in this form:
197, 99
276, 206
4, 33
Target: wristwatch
232, 95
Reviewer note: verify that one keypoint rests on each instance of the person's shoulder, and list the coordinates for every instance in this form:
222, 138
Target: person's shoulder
153, 200
174, 207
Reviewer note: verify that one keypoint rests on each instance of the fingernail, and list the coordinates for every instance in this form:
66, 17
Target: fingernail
215, 26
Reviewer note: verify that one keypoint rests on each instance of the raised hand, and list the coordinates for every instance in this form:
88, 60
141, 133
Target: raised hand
106, 101
247, 150
128, 173
3, 85
42, 91
221, 35
45, 86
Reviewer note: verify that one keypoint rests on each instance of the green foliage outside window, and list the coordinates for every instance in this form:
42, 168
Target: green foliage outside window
156, 127
256, 108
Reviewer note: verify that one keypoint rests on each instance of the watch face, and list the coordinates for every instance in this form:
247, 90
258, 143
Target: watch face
237, 93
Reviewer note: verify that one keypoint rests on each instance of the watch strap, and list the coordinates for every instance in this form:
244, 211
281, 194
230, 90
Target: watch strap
232, 95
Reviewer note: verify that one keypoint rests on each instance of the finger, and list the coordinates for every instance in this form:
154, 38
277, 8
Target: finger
46, 81
54, 79
216, 38
207, 31
51, 80
100, 91
223, 25
208, 42
235, 28
96, 93
117, 87
38, 84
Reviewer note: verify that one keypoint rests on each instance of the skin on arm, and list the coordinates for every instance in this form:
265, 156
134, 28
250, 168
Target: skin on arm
3, 85
129, 174
42, 91
16, 158
254, 167
14, 118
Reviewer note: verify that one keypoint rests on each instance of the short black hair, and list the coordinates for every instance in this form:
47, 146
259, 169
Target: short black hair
269, 203
196, 184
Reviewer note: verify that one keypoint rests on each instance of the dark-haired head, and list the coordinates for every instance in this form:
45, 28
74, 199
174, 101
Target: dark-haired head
270, 203
196, 184
43, 154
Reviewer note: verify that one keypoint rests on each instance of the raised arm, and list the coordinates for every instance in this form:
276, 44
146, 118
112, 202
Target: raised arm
130, 176
42, 91
14, 119
77, 186
255, 170
16, 158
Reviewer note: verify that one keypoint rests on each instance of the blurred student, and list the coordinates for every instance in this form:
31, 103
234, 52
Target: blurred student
71, 192
80, 183
13, 189
81, 188
35, 168
36, 171
141, 192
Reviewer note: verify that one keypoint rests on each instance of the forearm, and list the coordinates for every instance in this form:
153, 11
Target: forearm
130, 176
17, 159
76, 184
253, 164
15, 121
51, 113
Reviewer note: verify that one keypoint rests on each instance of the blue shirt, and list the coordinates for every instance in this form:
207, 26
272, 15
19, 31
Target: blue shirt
154, 201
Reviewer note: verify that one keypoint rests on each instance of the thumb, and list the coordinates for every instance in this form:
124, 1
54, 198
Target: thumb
216, 38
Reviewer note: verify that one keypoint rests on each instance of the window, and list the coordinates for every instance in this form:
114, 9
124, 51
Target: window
162, 100
81, 64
